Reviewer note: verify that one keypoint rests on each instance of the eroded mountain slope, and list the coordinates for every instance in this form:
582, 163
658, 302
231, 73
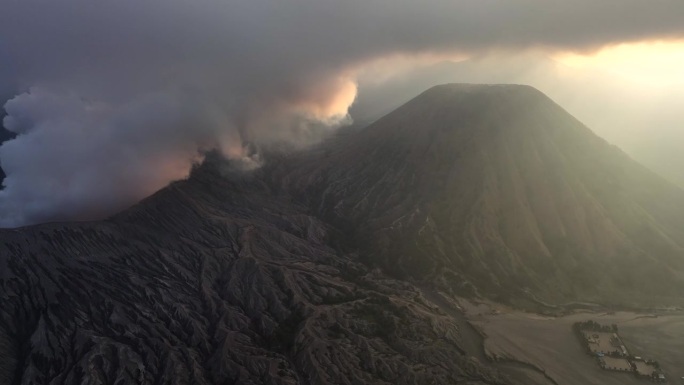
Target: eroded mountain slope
213, 281
498, 189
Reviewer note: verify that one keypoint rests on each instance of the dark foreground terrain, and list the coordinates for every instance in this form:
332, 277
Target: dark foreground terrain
204, 284
323, 267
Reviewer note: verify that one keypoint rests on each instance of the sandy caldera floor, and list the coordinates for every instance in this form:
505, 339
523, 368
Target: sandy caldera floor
550, 344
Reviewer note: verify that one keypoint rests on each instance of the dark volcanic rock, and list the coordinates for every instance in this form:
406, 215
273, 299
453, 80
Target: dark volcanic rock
212, 281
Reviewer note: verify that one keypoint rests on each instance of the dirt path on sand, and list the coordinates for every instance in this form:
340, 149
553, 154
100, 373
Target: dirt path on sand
472, 342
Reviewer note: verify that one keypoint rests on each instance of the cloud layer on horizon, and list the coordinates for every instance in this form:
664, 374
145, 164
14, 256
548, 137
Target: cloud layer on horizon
112, 100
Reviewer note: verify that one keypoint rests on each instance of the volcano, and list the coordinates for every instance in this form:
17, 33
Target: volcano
499, 187
323, 267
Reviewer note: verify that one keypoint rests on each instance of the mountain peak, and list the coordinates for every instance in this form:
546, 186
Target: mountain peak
499, 186
477, 87
460, 91
499, 106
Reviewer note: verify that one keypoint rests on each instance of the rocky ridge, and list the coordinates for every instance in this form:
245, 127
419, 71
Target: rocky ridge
213, 281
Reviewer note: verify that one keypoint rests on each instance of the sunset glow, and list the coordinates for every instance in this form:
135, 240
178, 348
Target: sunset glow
650, 63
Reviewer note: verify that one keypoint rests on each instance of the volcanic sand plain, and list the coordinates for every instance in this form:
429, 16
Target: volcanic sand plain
549, 343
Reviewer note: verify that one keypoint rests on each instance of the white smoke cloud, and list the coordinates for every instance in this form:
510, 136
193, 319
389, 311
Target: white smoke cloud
75, 159
114, 99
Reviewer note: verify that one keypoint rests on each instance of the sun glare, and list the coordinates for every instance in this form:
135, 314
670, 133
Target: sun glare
649, 63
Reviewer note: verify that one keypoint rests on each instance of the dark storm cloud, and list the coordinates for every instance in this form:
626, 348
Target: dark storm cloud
116, 98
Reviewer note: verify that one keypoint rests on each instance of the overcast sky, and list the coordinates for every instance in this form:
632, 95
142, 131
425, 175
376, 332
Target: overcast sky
114, 99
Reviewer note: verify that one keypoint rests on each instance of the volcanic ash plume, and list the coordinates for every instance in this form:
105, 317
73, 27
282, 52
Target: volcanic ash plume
111, 100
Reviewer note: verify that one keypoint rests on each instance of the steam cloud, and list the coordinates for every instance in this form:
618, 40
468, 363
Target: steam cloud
111, 100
